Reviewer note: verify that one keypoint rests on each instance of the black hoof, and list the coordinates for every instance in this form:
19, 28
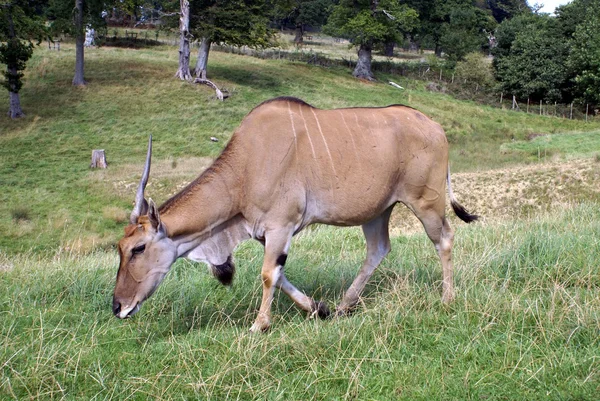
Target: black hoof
342, 313
321, 310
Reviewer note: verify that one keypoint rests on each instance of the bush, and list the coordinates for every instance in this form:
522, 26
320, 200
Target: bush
475, 69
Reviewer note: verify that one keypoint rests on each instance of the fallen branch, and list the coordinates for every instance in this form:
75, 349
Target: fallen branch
218, 92
395, 85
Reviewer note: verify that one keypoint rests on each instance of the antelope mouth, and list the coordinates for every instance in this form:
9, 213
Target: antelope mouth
128, 312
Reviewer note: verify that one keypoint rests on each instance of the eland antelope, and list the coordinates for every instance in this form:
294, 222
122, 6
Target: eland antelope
289, 165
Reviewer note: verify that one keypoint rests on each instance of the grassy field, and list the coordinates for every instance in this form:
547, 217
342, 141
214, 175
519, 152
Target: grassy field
525, 324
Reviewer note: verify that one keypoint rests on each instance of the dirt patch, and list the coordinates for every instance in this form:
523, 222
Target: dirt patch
495, 195
520, 191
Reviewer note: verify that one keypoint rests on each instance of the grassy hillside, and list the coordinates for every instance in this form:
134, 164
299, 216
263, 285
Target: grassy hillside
51, 199
524, 326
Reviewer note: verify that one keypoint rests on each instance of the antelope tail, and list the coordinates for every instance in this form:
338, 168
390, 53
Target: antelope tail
459, 210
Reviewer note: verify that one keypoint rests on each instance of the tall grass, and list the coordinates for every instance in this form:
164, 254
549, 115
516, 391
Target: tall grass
524, 325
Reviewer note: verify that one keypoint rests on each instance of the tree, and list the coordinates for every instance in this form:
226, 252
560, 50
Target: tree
465, 32
455, 27
300, 13
235, 22
475, 69
183, 72
507, 9
368, 23
64, 18
530, 58
20, 26
584, 56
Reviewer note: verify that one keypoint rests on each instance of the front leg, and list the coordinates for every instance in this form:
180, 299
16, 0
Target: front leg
277, 244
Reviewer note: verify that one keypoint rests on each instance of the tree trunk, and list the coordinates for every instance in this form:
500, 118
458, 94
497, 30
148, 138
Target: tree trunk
202, 62
413, 46
389, 49
183, 72
78, 79
299, 35
363, 65
15, 110
98, 159
438, 50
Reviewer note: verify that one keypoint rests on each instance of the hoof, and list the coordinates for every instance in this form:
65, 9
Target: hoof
448, 297
260, 327
342, 312
321, 310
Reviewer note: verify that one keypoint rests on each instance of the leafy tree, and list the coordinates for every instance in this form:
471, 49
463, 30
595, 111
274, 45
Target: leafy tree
20, 26
584, 57
455, 27
71, 17
235, 22
465, 32
475, 69
368, 23
530, 59
507, 9
300, 13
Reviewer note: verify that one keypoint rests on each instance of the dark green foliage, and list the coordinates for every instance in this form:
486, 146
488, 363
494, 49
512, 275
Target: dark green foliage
506, 9
584, 57
301, 12
15, 53
530, 59
238, 22
366, 23
20, 26
465, 32
60, 15
551, 58
455, 27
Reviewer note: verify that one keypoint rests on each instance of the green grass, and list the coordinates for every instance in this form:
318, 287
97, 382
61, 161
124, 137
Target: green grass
525, 323
578, 144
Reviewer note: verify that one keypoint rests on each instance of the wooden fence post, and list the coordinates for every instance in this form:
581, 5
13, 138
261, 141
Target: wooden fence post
571, 117
587, 106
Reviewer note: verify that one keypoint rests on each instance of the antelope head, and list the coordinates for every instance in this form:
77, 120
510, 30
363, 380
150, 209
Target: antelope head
146, 253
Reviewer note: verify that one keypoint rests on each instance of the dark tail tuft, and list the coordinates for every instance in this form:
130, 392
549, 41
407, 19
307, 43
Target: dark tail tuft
225, 272
462, 213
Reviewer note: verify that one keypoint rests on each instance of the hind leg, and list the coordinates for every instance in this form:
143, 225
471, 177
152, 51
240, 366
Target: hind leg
440, 233
378, 246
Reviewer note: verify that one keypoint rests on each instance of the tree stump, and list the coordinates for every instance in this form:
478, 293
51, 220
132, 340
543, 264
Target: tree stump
98, 159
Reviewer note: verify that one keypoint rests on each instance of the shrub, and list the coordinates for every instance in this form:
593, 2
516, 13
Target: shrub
475, 69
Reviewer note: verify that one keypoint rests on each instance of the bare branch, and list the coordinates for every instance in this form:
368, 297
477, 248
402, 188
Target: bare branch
218, 92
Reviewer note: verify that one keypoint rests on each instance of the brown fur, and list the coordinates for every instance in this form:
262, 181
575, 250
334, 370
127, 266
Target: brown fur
289, 165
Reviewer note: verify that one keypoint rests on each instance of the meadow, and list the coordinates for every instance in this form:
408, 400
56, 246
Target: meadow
525, 323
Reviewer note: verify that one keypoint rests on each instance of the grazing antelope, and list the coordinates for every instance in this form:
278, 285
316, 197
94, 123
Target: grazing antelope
289, 165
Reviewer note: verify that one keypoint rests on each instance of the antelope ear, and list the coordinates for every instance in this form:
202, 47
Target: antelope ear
154, 217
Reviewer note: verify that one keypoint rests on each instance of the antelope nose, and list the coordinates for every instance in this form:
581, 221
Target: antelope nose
116, 307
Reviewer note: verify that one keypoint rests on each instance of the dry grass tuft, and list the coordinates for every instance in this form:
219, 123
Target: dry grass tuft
115, 214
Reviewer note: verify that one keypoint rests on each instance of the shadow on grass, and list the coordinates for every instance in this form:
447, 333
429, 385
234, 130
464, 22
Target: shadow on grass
211, 306
265, 78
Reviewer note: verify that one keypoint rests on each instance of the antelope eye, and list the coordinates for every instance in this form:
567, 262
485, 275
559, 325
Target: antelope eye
138, 249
